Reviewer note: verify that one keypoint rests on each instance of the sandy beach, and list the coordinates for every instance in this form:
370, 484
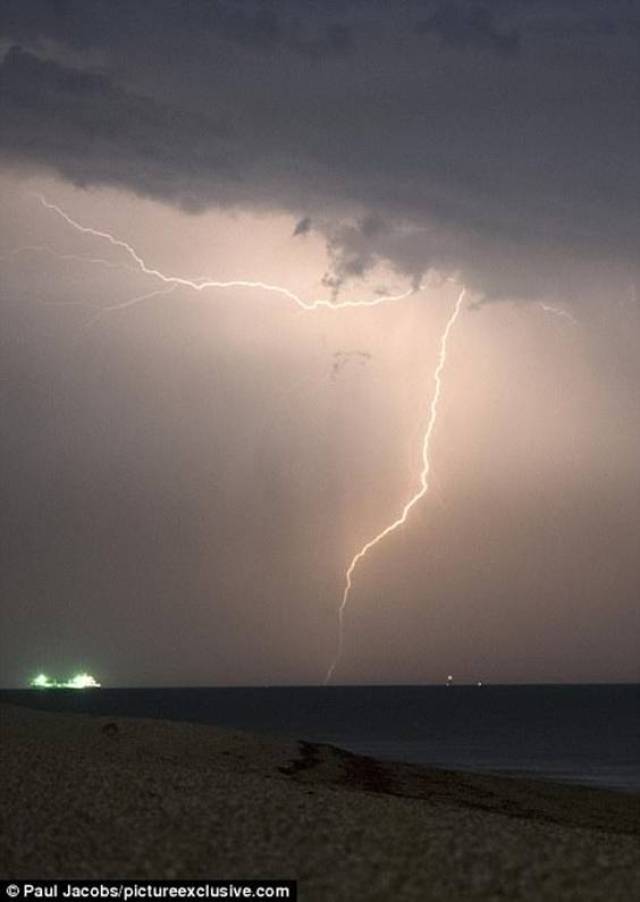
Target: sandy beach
95, 797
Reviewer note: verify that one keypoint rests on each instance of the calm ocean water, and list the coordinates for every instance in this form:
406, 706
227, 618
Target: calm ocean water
583, 734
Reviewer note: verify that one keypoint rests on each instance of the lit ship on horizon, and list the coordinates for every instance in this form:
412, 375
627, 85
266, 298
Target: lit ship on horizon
80, 681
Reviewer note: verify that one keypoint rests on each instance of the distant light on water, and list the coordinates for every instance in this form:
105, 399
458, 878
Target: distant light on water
82, 681
79, 681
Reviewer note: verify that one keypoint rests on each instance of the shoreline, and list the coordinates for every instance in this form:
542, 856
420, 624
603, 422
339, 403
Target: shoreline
92, 796
506, 731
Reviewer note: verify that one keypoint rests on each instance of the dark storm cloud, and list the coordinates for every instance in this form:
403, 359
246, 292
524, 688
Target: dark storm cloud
303, 226
351, 250
101, 132
80, 25
463, 26
501, 141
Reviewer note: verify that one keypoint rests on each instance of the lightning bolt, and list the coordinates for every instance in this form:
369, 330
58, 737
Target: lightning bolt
558, 311
172, 282
45, 249
52, 252
130, 302
415, 498
205, 282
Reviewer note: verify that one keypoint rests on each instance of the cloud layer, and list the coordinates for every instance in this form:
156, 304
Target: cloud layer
501, 141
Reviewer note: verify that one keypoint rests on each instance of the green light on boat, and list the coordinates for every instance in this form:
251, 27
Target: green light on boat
79, 681
82, 681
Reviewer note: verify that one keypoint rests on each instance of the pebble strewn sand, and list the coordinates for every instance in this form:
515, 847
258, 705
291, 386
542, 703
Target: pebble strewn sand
92, 797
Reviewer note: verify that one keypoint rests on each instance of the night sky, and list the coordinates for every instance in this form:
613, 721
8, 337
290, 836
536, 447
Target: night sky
187, 474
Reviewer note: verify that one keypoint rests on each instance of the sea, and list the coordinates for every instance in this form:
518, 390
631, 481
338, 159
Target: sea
585, 734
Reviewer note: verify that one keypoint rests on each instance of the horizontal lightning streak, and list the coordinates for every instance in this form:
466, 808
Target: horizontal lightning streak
422, 491
201, 284
558, 311
130, 302
45, 249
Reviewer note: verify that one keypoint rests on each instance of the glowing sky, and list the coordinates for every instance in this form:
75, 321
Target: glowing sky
187, 478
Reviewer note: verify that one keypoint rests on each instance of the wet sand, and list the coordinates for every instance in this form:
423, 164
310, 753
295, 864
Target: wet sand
85, 796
